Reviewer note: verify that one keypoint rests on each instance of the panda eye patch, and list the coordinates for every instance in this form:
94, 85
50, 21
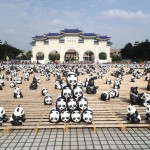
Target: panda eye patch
67, 117
63, 118
65, 93
74, 118
78, 117
129, 109
59, 105
147, 108
52, 118
80, 92
76, 93
86, 118
81, 105
63, 105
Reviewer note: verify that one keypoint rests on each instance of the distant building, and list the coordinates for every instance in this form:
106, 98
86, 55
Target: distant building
115, 51
71, 45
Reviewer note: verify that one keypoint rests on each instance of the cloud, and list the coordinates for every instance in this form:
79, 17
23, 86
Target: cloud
123, 14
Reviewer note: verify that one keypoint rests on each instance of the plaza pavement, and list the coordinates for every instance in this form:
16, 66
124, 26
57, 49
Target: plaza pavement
76, 139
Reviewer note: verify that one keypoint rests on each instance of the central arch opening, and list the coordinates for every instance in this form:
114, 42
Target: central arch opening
88, 56
40, 56
71, 56
54, 56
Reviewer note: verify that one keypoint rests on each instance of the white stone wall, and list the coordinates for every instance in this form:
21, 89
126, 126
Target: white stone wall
71, 43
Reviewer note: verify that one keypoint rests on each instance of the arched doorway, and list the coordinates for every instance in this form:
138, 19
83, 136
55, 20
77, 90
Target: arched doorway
40, 56
88, 56
102, 56
54, 56
71, 56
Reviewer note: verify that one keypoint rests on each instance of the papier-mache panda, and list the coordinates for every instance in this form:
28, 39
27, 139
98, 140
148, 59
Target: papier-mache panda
66, 92
54, 116
87, 115
133, 116
3, 117
114, 93
65, 116
26, 76
61, 104
1, 87
12, 84
48, 100
71, 104
18, 93
78, 92
82, 103
71, 79
18, 116
105, 96
76, 116
44, 91
148, 113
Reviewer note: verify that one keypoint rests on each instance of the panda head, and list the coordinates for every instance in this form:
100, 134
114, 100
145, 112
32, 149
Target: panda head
18, 111
76, 116
2, 112
48, 100
17, 90
66, 92
78, 91
148, 109
54, 116
61, 104
131, 109
113, 93
87, 115
71, 78
134, 90
65, 116
83, 103
72, 104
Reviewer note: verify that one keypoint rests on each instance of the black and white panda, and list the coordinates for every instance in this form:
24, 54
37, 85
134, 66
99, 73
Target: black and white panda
134, 96
18, 93
71, 104
87, 115
65, 116
144, 99
105, 96
47, 76
48, 100
18, 116
148, 85
78, 92
83, 103
1, 87
26, 76
147, 78
2, 76
12, 84
54, 116
19, 80
66, 92
114, 93
76, 116
58, 84
3, 117
71, 79
116, 84
133, 116
61, 104
148, 113
132, 78
2, 82
108, 80
44, 91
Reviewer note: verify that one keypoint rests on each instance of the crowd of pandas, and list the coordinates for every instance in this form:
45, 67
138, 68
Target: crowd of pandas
71, 105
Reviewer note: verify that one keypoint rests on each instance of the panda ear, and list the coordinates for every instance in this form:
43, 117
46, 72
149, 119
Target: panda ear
1, 111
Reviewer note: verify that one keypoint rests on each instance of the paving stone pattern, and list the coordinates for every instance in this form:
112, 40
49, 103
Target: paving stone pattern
76, 139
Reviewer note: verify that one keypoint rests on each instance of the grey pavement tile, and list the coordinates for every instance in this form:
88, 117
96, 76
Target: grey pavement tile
129, 146
66, 147
89, 147
50, 148
50, 143
121, 147
18, 148
27, 144
30, 140
73, 143
7, 141
66, 143
58, 148
12, 144
98, 147
58, 143
118, 142
96, 142
74, 147
35, 144
20, 144
82, 147
4, 145
111, 142
126, 142
9, 148
104, 142
34, 148
113, 147
133, 142
136, 146
42, 148
43, 143
144, 146
106, 147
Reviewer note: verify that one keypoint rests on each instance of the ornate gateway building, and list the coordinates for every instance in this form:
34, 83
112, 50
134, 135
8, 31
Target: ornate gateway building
71, 45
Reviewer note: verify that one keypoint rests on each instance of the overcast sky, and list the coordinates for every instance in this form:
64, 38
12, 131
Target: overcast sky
123, 20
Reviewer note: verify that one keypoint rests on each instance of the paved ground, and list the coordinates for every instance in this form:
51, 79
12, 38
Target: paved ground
77, 139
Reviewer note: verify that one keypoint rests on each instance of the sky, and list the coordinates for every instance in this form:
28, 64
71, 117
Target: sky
123, 20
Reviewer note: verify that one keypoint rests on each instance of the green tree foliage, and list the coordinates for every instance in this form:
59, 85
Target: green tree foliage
102, 56
8, 50
115, 57
138, 51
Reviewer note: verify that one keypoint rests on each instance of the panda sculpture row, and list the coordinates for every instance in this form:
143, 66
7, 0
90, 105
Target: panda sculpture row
16, 118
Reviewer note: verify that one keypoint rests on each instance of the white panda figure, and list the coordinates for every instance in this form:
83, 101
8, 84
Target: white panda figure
18, 116
76, 116
2, 82
47, 77
58, 85
105, 96
54, 116
108, 80
18, 93
26, 76
116, 84
78, 92
133, 116
44, 91
82, 103
72, 104
71, 79
148, 113
3, 117
1, 76
61, 104
66, 92
65, 116
132, 78
114, 93
145, 99
12, 84
19, 80
147, 78
47, 100
87, 115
